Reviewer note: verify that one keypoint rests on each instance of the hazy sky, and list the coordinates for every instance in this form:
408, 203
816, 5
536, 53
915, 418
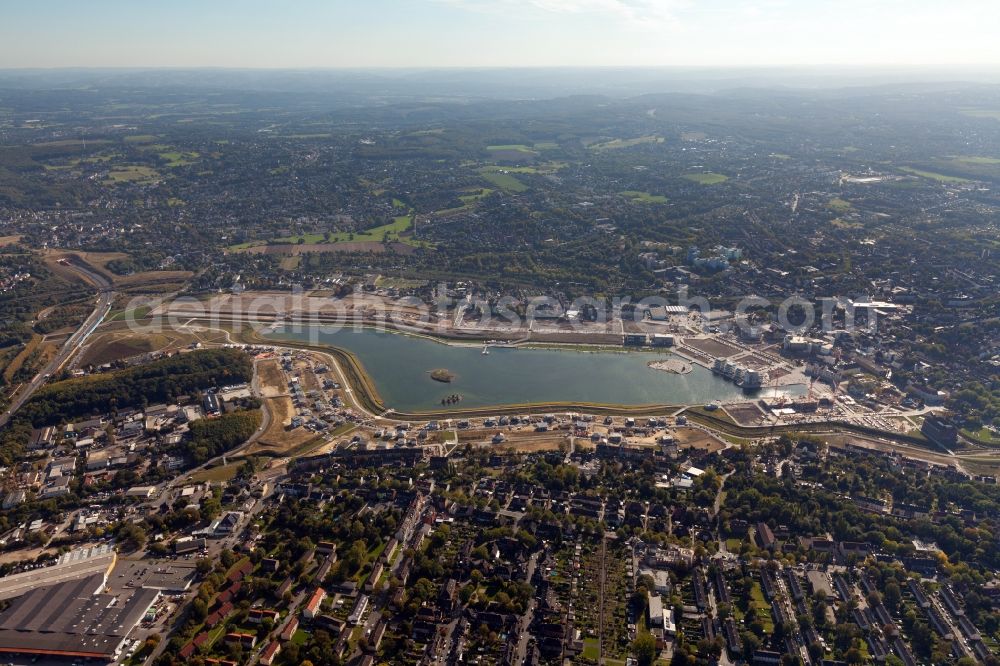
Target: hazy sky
456, 33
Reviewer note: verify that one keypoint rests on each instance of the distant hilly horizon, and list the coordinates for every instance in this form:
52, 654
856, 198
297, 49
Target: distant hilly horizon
536, 82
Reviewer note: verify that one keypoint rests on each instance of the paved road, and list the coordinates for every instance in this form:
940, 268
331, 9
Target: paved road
718, 496
524, 623
72, 344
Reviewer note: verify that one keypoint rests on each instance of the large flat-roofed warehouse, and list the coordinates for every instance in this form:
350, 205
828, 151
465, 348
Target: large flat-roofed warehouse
72, 565
73, 619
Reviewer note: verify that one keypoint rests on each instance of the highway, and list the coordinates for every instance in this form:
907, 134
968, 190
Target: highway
73, 343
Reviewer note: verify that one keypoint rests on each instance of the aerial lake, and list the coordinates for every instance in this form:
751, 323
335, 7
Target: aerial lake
400, 367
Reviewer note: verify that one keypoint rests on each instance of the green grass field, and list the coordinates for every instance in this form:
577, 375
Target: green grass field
617, 144
142, 175
475, 196
706, 178
762, 608
644, 197
398, 283
512, 148
218, 474
940, 177
984, 434
388, 232
77, 161
317, 135
839, 205
977, 160
547, 167
141, 138
591, 649
391, 232
70, 143
504, 181
176, 158
841, 223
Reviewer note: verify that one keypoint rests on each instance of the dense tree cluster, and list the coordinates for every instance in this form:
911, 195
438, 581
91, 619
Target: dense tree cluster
159, 381
212, 437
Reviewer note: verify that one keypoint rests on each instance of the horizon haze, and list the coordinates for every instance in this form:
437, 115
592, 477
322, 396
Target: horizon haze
498, 33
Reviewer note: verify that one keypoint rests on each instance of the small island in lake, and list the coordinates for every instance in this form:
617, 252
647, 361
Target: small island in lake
443, 375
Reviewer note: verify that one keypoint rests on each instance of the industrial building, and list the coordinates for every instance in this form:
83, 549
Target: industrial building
74, 619
70, 566
940, 430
